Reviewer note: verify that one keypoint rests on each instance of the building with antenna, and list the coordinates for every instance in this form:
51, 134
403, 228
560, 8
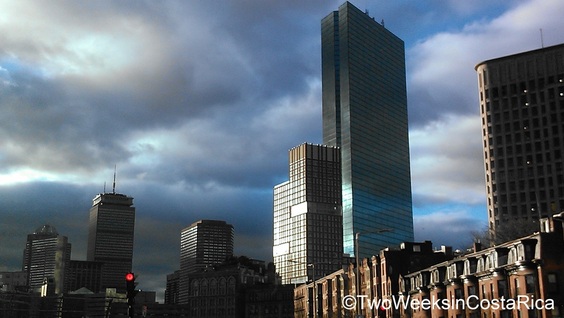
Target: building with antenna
110, 236
522, 110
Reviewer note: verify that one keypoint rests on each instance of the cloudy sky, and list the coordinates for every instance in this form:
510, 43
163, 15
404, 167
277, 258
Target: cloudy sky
198, 102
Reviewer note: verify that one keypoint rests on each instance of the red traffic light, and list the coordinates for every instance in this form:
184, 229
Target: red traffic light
129, 277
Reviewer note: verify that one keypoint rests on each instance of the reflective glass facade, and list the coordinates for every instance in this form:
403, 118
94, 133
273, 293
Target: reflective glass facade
307, 215
365, 114
522, 109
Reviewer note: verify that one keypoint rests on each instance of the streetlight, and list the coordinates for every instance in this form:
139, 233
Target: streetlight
313, 280
356, 235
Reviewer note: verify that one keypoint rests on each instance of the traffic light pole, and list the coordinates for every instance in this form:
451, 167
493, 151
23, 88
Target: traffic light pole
130, 293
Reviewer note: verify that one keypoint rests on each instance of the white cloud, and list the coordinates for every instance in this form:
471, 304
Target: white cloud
446, 161
445, 134
52, 38
441, 74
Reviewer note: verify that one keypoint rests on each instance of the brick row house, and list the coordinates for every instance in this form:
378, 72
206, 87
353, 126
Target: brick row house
519, 278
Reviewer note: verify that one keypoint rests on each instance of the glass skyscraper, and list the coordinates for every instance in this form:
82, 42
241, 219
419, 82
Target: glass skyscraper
307, 215
365, 114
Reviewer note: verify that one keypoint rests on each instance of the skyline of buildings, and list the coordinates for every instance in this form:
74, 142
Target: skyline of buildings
317, 218
522, 111
110, 237
364, 108
308, 222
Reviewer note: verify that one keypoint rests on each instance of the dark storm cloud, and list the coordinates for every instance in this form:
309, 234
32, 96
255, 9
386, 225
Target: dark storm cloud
45, 128
26, 207
456, 226
183, 67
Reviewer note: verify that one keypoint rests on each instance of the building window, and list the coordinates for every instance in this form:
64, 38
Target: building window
471, 290
440, 295
502, 288
529, 284
552, 279
458, 293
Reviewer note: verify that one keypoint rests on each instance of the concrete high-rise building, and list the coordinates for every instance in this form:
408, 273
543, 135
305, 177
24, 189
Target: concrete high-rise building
365, 115
110, 237
83, 274
46, 256
522, 108
172, 286
203, 244
308, 224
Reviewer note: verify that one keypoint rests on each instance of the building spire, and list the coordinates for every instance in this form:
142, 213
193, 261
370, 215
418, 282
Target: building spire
114, 185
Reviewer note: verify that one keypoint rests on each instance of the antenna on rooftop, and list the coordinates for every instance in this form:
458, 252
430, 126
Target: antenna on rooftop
114, 186
104, 187
542, 39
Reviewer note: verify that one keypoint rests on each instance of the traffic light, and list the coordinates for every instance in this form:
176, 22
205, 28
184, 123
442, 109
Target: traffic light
130, 292
381, 312
129, 278
130, 285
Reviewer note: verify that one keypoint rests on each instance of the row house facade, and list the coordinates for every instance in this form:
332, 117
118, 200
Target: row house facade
520, 278
337, 294
330, 291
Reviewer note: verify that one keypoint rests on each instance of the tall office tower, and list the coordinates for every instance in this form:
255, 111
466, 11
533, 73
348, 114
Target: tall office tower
46, 256
203, 244
308, 222
365, 115
110, 237
522, 108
